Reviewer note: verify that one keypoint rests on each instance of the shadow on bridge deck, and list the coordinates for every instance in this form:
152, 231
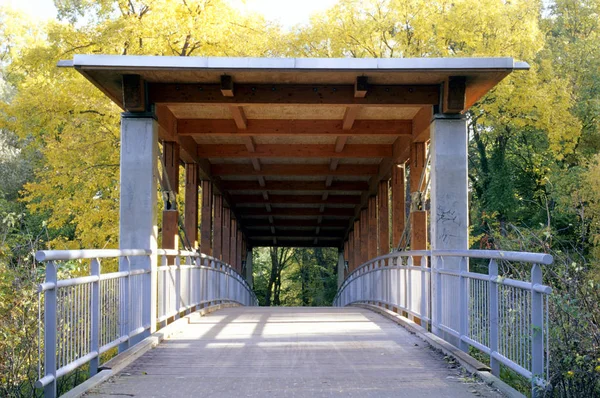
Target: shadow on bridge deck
304, 352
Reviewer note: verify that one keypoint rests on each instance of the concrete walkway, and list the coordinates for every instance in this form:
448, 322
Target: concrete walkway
292, 352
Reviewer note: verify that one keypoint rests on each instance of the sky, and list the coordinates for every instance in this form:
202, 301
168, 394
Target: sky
287, 12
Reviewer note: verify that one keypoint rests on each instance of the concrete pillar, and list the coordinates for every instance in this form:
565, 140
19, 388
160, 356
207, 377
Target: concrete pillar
137, 219
449, 207
249, 276
340, 268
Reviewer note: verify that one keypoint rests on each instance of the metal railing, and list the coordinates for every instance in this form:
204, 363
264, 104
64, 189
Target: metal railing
87, 316
501, 317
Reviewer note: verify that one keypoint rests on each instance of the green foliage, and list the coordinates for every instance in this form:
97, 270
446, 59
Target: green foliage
307, 278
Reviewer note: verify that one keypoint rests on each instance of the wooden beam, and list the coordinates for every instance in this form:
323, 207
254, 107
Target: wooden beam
295, 234
191, 204
421, 123
226, 230
398, 204
295, 212
218, 227
292, 223
340, 143
207, 218
372, 231
350, 117
361, 86
134, 93
293, 243
280, 127
249, 143
296, 150
227, 86
297, 199
341, 186
294, 170
239, 117
455, 94
379, 95
346, 258
383, 219
255, 164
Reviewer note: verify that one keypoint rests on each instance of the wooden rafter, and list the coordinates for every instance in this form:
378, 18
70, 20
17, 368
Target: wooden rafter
297, 199
295, 212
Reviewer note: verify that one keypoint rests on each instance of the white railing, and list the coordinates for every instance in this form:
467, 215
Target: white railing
501, 317
87, 316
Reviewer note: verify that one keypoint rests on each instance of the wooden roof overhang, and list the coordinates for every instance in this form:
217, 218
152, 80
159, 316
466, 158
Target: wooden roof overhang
296, 146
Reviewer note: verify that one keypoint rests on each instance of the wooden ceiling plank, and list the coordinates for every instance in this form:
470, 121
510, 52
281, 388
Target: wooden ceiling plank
263, 127
295, 223
379, 95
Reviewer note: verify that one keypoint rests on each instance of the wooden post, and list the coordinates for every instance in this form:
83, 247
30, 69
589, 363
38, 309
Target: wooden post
350, 255
233, 243
207, 217
347, 246
170, 225
357, 261
418, 215
191, 204
218, 227
372, 231
364, 236
398, 204
226, 235
383, 218
239, 251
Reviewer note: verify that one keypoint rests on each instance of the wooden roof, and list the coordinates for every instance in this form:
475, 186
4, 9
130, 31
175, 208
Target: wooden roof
296, 146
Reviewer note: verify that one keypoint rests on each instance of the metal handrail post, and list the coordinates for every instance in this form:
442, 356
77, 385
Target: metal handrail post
50, 330
95, 313
537, 324
463, 315
493, 315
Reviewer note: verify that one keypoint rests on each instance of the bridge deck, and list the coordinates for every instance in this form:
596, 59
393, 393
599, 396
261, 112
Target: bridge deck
304, 352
